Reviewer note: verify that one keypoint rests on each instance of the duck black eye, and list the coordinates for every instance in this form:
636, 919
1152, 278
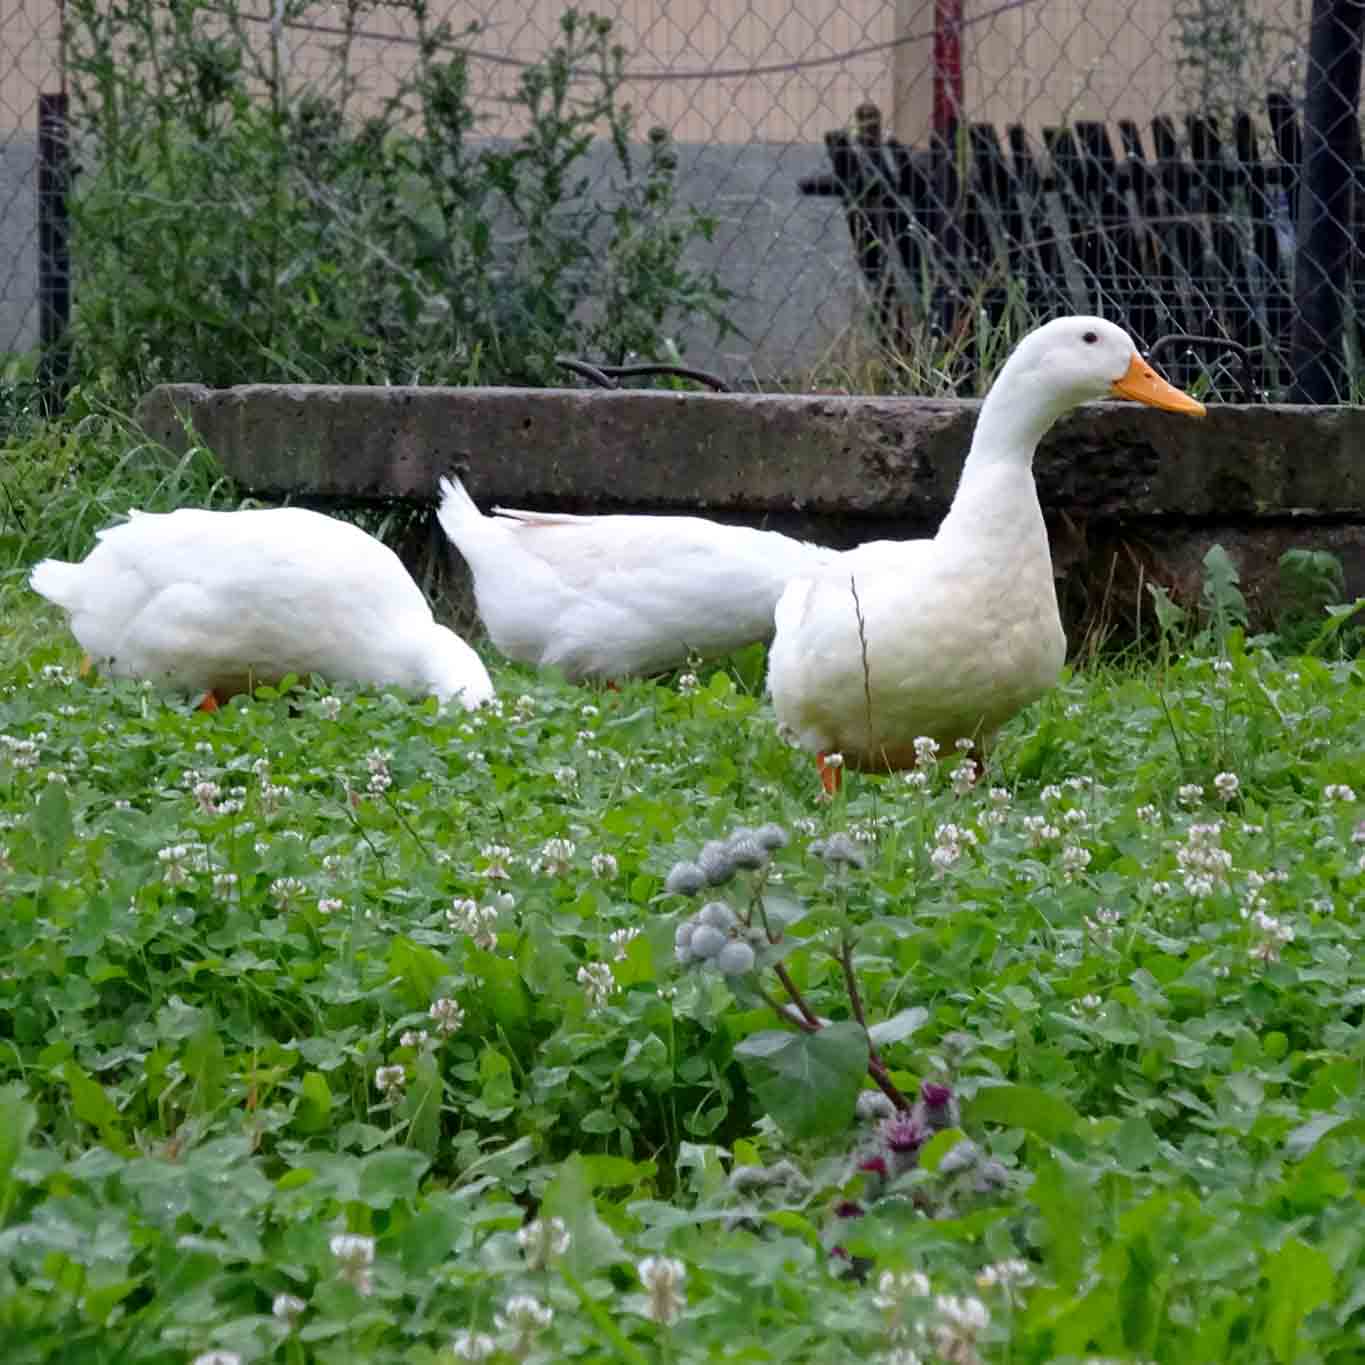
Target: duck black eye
1090, 338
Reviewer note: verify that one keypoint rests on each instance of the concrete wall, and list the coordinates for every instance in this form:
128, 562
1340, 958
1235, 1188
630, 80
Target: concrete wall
1132, 495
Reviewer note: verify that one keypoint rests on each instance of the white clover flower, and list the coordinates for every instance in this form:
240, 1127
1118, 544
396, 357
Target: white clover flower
287, 1308
330, 905
598, 983
1076, 818
566, 776
688, 683
541, 1240
286, 890
1222, 667
916, 778
1075, 859
390, 1080
1050, 794
414, 1038
479, 922
330, 707
1161, 888
173, 859
473, 1346
964, 776
556, 857
1338, 791
1227, 785
355, 1256
217, 1358
895, 1286
1101, 927
223, 882
497, 856
926, 750
447, 1015
273, 796
1190, 793
525, 1315
1013, 1271
965, 1315
663, 1280
1147, 815
207, 794
620, 940
1088, 1002
604, 866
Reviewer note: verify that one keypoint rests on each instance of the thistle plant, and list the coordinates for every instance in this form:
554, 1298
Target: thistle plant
741, 932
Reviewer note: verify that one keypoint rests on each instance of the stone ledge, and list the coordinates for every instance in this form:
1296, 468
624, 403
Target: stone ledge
882, 458
1130, 493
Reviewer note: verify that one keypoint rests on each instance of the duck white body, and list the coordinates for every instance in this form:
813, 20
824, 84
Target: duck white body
963, 630
610, 596
218, 602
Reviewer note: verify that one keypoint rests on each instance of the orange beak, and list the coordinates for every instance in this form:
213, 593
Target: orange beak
1144, 385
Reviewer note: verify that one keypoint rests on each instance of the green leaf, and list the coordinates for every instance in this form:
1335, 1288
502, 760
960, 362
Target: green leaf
422, 1106
52, 825
899, 1027
17, 1118
1307, 1136
809, 1082
1023, 1106
313, 1111
390, 1175
1300, 1279
592, 1244
94, 1107
421, 969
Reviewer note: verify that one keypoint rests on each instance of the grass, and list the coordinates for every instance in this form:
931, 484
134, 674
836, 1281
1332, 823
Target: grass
336, 1028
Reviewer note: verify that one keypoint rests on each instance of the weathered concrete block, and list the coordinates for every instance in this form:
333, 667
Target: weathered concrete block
1120, 482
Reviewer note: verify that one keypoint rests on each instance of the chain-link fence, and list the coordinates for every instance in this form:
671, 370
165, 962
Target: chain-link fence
924, 177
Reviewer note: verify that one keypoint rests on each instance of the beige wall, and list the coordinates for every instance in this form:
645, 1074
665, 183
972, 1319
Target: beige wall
1040, 63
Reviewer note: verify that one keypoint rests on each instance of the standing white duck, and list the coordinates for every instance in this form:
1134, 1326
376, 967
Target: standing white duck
217, 602
959, 632
609, 596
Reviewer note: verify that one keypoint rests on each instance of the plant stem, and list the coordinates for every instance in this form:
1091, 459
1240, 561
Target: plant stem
809, 1023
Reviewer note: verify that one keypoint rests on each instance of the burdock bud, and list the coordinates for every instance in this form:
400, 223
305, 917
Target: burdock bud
715, 861
682, 940
872, 1104
685, 879
839, 849
735, 959
706, 941
746, 851
718, 915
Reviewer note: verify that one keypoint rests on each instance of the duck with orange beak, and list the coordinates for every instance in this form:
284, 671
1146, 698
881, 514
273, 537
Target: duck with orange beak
948, 638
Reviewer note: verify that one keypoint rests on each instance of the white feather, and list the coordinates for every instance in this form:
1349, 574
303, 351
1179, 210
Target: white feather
221, 601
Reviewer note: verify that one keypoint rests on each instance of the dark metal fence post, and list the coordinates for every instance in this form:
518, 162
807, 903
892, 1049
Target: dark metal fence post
1322, 262
54, 260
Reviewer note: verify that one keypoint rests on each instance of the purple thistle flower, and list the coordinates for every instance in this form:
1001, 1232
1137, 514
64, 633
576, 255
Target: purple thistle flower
937, 1107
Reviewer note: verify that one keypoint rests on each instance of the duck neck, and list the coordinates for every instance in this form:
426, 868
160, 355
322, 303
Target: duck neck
996, 495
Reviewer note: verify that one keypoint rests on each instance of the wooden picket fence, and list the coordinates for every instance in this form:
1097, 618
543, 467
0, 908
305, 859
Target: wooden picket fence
1195, 238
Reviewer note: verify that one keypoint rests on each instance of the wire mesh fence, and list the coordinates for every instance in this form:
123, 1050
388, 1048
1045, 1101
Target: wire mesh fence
855, 180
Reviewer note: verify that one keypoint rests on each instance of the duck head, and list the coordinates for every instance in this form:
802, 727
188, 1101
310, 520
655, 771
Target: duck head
1057, 367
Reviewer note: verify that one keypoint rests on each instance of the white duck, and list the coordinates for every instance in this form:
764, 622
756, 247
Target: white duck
217, 602
960, 631
608, 596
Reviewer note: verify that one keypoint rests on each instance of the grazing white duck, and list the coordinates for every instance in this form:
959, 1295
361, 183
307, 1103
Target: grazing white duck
961, 631
609, 596
217, 602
